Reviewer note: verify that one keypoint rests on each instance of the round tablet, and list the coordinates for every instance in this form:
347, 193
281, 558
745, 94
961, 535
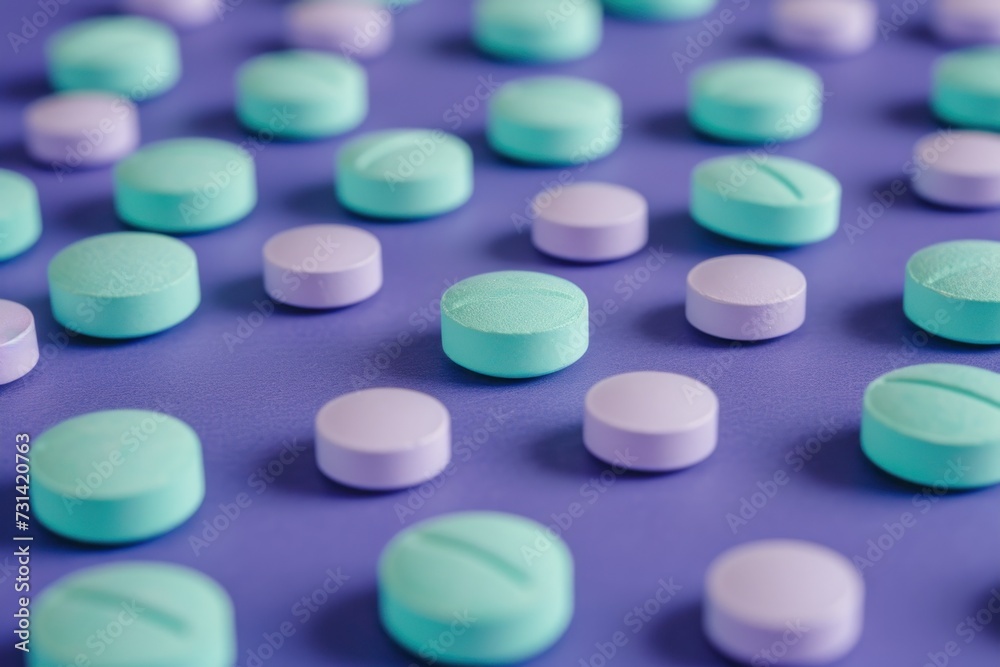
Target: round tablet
755, 100
829, 27
651, 421
952, 291
497, 587
181, 186
354, 28
778, 201
18, 341
514, 324
961, 171
967, 21
128, 55
590, 222
181, 13
383, 439
124, 284
660, 10
400, 174
81, 129
798, 600
554, 120
20, 214
537, 30
966, 88
746, 297
116, 476
137, 613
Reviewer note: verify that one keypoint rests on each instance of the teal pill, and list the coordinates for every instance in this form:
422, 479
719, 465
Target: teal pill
401, 174
952, 290
780, 201
966, 88
538, 30
301, 94
557, 120
936, 424
514, 324
476, 588
140, 614
116, 476
755, 100
124, 285
659, 10
184, 186
20, 215
133, 56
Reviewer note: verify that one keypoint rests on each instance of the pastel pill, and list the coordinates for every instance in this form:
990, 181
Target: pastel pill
554, 120
829, 27
383, 439
116, 476
524, 30
801, 596
400, 174
20, 214
962, 171
87, 129
967, 21
437, 575
755, 100
746, 297
966, 90
182, 186
514, 324
590, 222
137, 613
354, 28
18, 341
660, 10
783, 202
124, 284
181, 13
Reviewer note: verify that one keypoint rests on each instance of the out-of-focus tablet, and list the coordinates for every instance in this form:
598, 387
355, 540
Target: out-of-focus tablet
498, 585
135, 613
81, 129
124, 284
514, 324
116, 476
353, 28
554, 120
590, 222
967, 21
20, 214
537, 30
755, 100
659, 10
966, 88
961, 169
383, 439
746, 297
798, 598
18, 341
651, 421
181, 13
830, 27
129, 55
779, 201
182, 186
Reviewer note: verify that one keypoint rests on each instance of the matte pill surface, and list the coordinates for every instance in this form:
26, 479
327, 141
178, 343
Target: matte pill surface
353, 28
537, 30
829, 27
158, 614
961, 169
514, 324
746, 297
651, 421
967, 21
116, 476
783, 202
181, 13
802, 597
124, 284
512, 575
966, 90
659, 10
81, 129
20, 214
18, 341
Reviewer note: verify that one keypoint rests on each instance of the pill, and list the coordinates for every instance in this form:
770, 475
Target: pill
81, 129
961, 169
498, 586
182, 186
116, 476
124, 284
660, 10
755, 100
129, 55
180, 13
966, 89
952, 291
537, 30
746, 297
780, 201
967, 21
554, 120
20, 214
514, 324
400, 174
301, 94
353, 28
18, 341
828, 27
801, 597
383, 439
137, 613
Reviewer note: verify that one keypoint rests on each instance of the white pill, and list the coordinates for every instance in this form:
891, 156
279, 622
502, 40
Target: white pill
353, 28
967, 21
831, 27
382, 439
18, 341
81, 129
959, 168
181, 13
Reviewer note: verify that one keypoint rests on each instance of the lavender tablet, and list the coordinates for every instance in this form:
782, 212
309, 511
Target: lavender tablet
967, 21
18, 341
81, 129
180, 13
828, 27
960, 170
353, 28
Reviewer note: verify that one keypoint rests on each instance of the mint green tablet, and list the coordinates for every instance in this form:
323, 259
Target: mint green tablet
538, 30
116, 476
20, 215
182, 186
966, 88
476, 588
135, 613
659, 10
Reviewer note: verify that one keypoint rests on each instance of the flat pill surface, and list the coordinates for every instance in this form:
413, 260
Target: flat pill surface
353, 28
966, 88
81, 129
537, 30
18, 341
20, 214
967, 21
181, 13
960, 169
659, 10
510, 574
830, 27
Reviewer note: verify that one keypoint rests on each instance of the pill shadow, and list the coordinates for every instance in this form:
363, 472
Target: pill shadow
217, 123
677, 232
679, 637
27, 89
348, 632
671, 125
97, 216
13, 154
562, 451
912, 113
302, 477
883, 321
316, 201
460, 47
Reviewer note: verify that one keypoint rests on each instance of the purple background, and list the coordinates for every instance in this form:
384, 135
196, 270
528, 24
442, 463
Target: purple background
248, 402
